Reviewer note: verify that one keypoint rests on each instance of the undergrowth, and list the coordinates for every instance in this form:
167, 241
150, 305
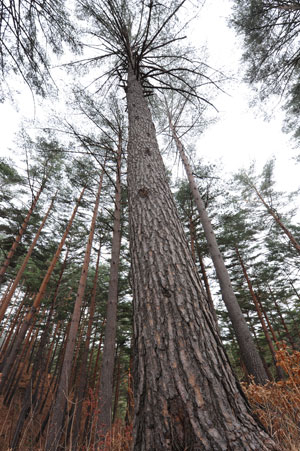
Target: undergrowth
277, 404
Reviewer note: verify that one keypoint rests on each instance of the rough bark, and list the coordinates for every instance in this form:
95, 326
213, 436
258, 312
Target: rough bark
108, 356
186, 395
57, 415
248, 350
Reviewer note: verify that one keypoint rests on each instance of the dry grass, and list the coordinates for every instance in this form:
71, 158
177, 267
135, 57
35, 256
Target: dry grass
119, 437
277, 404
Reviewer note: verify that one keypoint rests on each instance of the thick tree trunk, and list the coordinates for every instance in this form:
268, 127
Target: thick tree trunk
108, 356
246, 343
18, 238
57, 415
186, 395
6, 299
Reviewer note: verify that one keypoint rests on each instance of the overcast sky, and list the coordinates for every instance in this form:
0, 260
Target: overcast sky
240, 134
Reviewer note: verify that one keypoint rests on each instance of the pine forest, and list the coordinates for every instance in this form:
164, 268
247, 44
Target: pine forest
149, 300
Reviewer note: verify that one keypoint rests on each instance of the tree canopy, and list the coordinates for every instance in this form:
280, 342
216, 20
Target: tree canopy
271, 49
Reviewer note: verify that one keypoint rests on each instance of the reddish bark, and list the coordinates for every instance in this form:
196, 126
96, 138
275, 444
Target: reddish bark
6, 299
9, 359
84, 369
18, 238
11, 330
108, 356
57, 416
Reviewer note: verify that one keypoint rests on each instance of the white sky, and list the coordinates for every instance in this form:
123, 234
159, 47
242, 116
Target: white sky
240, 135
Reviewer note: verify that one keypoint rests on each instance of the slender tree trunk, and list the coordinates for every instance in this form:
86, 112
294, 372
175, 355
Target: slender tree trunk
246, 343
20, 234
108, 356
16, 319
130, 399
40, 370
8, 319
117, 387
32, 390
260, 315
206, 284
51, 351
21, 362
272, 212
7, 289
57, 416
6, 299
83, 376
294, 289
271, 329
91, 423
266, 367
192, 236
9, 359
96, 367
91, 358
282, 319
186, 395
54, 381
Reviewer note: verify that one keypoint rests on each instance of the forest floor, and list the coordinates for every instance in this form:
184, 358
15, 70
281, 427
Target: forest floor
276, 404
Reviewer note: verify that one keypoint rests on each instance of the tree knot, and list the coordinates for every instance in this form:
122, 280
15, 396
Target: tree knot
143, 192
165, 291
